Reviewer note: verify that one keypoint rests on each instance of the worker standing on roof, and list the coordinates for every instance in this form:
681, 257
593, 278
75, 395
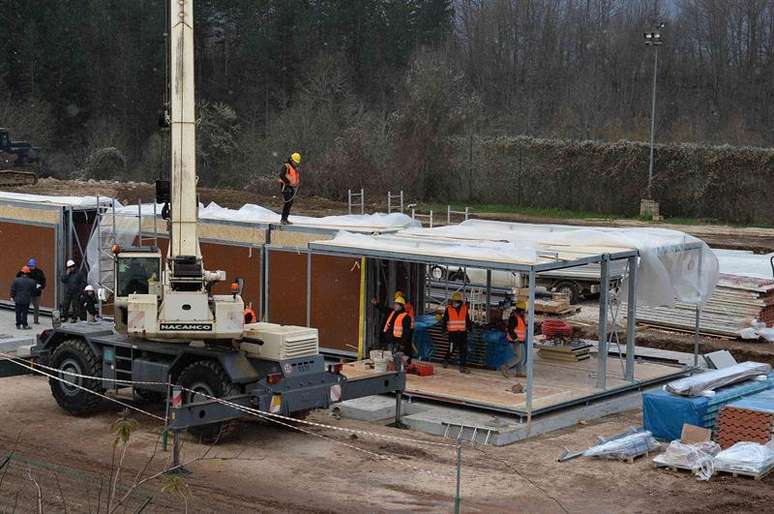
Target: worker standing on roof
457, 322
39, 277
397, 328
516, 333
73, 284
22, 289
290, 177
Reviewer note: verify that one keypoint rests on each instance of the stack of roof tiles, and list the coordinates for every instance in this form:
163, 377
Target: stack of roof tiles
750, 419
735, 303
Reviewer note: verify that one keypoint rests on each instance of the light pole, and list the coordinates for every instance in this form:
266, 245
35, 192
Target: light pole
655, 40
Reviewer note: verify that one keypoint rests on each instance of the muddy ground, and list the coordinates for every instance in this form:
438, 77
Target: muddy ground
277, 469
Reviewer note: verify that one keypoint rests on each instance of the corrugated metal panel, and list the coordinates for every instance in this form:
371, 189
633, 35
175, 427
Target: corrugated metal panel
22, 241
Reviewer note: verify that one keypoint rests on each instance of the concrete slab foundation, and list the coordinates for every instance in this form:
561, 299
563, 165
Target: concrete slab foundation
483, 428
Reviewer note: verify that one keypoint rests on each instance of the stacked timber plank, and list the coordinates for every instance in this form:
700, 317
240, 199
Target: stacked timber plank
558, 350
557, 304
734, 304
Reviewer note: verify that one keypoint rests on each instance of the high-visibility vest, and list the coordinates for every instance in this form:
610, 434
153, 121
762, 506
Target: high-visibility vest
397, 328
411, 313
521, 330
457, 319
292, 175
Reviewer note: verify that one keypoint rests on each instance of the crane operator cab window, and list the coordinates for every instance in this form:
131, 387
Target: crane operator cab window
137, 275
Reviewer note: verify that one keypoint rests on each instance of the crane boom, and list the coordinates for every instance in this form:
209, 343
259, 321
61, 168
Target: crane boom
184, 239
181, 307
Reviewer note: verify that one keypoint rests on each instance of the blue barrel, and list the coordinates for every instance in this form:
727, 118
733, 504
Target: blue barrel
498, 349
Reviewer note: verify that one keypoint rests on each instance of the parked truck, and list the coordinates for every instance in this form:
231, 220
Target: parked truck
170, 329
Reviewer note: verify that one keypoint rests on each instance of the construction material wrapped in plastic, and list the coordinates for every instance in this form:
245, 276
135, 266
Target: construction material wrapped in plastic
688, 456
626, 447
747, 458
711, 380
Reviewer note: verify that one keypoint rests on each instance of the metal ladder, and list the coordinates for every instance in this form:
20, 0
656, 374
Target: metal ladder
351, 196
458, 434
390, 197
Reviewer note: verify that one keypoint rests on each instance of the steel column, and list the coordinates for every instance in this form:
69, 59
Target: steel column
631, 319
697, 328
266, 281
604, 293
529, 343
308, 288
488, 293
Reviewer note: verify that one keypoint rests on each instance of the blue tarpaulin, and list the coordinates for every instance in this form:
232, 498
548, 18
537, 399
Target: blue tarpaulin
422, 340
664, 413
761, 402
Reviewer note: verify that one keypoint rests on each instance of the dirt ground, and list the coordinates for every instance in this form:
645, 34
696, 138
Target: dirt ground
278, 469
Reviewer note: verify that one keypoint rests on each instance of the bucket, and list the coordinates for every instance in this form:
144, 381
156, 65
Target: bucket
380, 358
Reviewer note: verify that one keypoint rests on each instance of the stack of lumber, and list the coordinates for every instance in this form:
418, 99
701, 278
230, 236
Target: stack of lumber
750, 419
558, 350
736, 302
557, 303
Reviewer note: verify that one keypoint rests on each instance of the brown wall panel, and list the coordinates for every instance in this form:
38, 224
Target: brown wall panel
336, 300
287, 288
236, 261
19, 243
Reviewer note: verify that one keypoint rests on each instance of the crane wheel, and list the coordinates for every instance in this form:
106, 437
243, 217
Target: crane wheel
75, 356
207, 377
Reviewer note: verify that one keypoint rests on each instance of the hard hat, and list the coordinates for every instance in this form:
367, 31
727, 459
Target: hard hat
456, 296
399, 293
70, 263
32, 263
25, 269
296, 157
89, 288
400, 300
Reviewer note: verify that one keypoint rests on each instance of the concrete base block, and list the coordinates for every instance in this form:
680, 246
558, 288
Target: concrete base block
373, 408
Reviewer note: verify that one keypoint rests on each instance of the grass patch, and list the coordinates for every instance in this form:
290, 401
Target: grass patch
440, 210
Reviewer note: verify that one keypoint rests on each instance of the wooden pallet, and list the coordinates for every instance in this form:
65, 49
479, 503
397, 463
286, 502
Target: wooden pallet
629, 460
745, 473
672, 467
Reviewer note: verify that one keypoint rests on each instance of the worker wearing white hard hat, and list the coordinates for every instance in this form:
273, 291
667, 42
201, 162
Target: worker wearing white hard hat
88, 303
72, 283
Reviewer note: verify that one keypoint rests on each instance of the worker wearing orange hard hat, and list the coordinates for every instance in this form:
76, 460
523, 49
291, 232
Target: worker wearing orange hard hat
22, 289
290, 177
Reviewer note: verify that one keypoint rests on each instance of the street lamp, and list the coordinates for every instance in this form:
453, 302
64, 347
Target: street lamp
655, 40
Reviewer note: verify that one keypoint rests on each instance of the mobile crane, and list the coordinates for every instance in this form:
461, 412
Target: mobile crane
169, 328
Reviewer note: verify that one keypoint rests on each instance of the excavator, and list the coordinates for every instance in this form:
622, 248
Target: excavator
169, 328
18, 159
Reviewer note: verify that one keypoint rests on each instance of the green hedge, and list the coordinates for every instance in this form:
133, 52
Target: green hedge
726, 183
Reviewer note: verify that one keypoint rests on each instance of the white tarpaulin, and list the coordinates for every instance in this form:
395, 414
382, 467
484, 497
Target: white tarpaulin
745, 264
127, 227
666, 272
83, 202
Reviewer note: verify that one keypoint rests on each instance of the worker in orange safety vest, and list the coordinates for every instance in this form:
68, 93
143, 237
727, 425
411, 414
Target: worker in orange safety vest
290, 177
516, 334
397, 328
456, 320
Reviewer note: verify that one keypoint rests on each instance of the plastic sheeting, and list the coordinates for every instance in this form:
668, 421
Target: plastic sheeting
666, 272
745, 264
746, 457
82, 202
626, 447
711, 380
690, 456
